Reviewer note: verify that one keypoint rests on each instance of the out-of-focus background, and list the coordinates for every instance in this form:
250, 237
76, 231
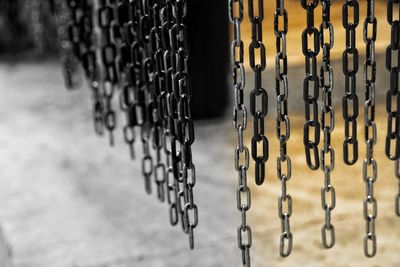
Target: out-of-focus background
68, 199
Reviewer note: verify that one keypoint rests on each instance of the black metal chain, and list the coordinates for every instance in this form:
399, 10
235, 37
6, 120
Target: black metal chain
311, 97
181, 85
327, 124
370, 133
283, 127
243, 194
392, 145
81, 35
145, 53
258, 94
350, 69
106, 20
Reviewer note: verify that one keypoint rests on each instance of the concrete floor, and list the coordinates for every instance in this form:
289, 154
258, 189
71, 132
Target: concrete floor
67, 199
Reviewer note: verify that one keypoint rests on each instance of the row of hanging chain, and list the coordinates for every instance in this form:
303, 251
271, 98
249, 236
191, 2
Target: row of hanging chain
258, 94
392, 145
328, 196
243, 194
145, 52
370, 205
106, 22
311, 79
283, 127
350, 69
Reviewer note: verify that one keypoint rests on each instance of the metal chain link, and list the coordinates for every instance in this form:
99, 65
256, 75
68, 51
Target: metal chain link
243, 195
311, 79
370, 204
258, 94
392, 144
283, 127
350, 69
327, 125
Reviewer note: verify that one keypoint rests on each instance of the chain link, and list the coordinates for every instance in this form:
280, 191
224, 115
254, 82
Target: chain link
327, 125
370, 203
392, 144
311, 79
350, 69
283, 127
258, 96
243, 195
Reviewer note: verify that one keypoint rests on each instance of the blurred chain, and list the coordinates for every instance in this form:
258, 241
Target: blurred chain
81, 35
258, 94
370, 204
392, 145
283, 127
243, 194
128, 25
350, 69
327, 124
311, 99
106, 20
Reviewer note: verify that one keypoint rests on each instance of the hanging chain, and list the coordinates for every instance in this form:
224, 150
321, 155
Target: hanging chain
108, 55
370, 204
283, 127
350, 69
243, 194
182, 91
258, 94
311, 97
327, 125
82, 35
393, 95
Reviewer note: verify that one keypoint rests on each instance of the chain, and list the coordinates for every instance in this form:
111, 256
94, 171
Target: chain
258, 94
327, 125
128, 24
82, 37
243, 194
393, 95
184, 124
311, 79
283, 122
350, 69
106, 22
370, 204
166, 114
